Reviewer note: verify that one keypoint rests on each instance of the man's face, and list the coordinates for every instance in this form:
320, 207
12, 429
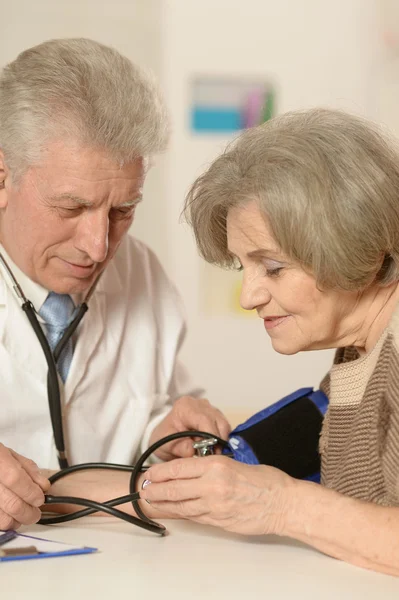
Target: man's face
63, 221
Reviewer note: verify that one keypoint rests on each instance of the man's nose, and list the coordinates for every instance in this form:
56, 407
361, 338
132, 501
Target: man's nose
93, 235
254, 293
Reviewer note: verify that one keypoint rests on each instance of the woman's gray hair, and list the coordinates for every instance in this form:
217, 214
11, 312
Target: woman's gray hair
81, 91
328, 184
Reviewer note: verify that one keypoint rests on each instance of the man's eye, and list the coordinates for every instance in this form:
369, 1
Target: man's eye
66, 211
123, 213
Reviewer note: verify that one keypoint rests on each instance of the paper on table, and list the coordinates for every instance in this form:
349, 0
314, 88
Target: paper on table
44, 547
25, 541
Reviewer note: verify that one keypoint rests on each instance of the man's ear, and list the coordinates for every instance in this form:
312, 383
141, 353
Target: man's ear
4, 178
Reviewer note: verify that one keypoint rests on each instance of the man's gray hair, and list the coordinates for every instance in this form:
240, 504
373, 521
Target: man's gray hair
326, 182
81, 91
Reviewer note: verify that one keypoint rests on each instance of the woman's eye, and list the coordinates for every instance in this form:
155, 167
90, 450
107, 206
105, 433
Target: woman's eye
274, 272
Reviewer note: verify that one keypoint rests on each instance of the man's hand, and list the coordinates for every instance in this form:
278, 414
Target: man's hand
22, 490
188, 414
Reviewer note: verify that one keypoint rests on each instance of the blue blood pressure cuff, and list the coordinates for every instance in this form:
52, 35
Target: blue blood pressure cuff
284, 435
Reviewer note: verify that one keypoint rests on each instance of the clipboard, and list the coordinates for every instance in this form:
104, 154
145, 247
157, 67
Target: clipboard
27, 547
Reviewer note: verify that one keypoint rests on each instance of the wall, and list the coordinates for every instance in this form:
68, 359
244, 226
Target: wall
316, 51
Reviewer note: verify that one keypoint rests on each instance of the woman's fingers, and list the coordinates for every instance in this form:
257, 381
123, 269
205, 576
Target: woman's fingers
180, 468
171, 491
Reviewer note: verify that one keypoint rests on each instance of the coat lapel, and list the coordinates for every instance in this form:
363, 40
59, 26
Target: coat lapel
21, 343
91, 331
86, 342
17, 336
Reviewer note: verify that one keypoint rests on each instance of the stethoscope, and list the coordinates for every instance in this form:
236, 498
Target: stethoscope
205, 446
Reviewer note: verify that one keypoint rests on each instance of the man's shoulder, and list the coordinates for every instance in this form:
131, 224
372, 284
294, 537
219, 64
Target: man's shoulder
131, 246
133, 255
135, 277
135, 266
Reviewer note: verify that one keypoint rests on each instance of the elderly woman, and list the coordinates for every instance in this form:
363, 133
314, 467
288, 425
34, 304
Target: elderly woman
307, 206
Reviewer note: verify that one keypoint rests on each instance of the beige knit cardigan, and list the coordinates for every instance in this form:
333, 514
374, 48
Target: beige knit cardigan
359, 443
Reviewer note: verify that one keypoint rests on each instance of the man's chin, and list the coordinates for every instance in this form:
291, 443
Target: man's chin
71, 285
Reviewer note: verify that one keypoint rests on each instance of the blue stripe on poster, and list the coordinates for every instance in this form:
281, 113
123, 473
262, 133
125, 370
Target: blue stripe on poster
216, 119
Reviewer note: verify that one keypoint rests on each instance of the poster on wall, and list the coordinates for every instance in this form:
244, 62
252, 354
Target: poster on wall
224, 105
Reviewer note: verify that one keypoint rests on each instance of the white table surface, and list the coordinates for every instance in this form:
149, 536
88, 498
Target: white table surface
192, 562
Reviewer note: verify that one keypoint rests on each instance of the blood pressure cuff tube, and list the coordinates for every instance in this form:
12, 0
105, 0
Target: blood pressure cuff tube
284, 435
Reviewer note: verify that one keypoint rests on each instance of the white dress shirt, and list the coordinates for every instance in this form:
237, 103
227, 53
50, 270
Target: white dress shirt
125, 373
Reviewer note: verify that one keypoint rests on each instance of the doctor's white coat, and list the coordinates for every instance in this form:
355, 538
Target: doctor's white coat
124, 374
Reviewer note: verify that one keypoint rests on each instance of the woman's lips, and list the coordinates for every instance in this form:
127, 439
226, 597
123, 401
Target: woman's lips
272, 322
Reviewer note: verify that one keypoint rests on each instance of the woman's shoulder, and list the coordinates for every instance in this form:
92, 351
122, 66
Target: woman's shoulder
393, 327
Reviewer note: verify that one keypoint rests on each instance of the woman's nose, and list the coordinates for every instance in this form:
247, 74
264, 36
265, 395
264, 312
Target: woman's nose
254, 293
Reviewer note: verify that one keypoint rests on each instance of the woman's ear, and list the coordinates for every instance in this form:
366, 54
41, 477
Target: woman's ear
3, 176
384, 272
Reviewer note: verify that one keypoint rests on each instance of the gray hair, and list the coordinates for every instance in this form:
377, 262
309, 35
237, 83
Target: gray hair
328, 184
83, 91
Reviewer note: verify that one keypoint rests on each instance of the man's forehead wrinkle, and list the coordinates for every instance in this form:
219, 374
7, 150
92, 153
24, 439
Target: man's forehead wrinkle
135, 199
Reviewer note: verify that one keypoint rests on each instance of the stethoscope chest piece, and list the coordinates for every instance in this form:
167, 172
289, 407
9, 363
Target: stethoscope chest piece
205, 447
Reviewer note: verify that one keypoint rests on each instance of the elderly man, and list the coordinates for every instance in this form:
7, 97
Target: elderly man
78, 124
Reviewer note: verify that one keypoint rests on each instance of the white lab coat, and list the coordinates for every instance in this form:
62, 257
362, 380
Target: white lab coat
124, 374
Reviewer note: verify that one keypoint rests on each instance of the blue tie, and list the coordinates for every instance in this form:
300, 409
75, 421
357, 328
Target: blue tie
57, 313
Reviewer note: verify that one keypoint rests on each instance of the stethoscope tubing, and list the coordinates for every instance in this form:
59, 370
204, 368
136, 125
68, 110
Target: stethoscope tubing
53, 385
55, 408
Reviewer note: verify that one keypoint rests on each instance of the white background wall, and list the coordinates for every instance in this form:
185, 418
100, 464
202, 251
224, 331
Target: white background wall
318, 52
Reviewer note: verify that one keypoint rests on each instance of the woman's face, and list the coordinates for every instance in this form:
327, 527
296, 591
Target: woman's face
297, 315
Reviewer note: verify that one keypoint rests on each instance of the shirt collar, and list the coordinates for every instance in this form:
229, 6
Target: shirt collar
32, 290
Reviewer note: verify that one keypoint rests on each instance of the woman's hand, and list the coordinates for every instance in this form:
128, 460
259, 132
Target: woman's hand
189, 414
216, 490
